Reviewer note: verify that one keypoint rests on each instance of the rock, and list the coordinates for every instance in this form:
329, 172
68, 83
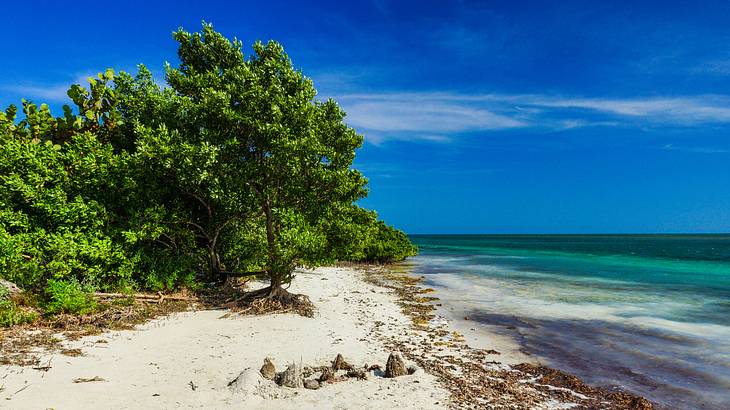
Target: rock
248, 382
396, 366
268, 370
357, 374
311, 384
327, 375
8, 287
308, 371
291, 377
341, 364
374, 367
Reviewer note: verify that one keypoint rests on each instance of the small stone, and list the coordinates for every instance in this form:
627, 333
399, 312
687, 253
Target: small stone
357, 374
268, 370
341, 364
327, 375
311, 384
396, 366
291, 377
247, 382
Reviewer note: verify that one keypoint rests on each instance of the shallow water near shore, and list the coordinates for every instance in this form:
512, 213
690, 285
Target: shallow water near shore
646, 313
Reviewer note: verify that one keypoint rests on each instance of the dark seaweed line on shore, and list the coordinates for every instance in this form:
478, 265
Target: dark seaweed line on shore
472, 379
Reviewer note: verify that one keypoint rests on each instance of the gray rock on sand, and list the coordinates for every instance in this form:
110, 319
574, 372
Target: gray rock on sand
291, 377
8, 287
268, 370
248, 382
396, 366
311, 384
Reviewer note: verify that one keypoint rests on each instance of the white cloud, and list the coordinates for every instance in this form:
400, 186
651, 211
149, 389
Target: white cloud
717, 67
699, 150
51, 92
439, 116
680, 110
425, 115
41, 94
420, 116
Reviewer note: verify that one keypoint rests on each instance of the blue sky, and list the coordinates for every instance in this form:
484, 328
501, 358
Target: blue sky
479, 117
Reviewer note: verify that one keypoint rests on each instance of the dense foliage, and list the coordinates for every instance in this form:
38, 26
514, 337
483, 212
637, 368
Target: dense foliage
233, 169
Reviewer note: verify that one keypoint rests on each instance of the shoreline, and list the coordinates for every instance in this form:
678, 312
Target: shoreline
187, 359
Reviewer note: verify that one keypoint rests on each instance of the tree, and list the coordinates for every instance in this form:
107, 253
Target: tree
71, 200
285, 156
235, 169
191, 168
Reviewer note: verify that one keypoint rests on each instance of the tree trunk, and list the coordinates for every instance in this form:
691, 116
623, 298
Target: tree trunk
274, 291
217, 271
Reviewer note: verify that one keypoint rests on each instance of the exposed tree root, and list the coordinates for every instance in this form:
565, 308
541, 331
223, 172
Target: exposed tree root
273, 300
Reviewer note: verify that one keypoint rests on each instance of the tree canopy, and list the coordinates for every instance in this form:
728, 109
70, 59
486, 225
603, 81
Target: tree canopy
234, 168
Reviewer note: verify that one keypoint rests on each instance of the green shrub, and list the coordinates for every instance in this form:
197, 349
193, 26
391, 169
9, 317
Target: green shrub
154, 188
67, 297
11, 314
389, 245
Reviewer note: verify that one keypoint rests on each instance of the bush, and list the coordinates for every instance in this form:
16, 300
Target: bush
142, 187
11, 314
67, 297
389, 245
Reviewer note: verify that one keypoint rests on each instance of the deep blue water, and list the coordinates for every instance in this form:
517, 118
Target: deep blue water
645, 313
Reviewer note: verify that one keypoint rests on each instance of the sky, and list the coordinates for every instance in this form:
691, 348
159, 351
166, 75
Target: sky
478, 117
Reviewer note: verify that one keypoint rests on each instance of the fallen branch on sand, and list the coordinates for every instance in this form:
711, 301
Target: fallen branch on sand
144, 296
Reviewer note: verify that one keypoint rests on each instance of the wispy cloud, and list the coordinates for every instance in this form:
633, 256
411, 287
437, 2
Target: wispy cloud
420, 116
440, 116
716, 67
57, 92
699, 150
679, 110
49, 92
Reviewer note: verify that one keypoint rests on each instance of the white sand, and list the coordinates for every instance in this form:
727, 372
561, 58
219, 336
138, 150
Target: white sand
152, 367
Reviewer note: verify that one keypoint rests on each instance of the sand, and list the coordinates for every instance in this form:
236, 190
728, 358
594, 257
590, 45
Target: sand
157, 365
187, 360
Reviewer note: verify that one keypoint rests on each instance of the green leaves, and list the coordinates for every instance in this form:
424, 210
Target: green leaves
235, 167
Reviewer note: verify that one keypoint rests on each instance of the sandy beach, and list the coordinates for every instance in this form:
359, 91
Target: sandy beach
187, 359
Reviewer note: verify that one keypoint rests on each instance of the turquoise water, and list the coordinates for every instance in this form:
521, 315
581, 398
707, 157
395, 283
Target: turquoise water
644, 313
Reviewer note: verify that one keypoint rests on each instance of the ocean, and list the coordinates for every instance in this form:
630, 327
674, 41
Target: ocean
649, 314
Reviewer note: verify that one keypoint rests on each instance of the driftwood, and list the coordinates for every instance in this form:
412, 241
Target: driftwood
143, 296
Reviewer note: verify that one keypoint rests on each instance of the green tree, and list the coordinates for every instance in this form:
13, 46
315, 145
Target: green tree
73, 203
283, 155
235, 169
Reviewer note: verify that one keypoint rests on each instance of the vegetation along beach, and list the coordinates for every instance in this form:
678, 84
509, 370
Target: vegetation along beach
385, 214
